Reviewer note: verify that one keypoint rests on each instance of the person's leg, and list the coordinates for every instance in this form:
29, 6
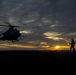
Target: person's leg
73, 48
70, 48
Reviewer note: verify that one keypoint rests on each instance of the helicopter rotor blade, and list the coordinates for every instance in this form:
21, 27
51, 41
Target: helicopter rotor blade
4, 25
9, 25
14, 26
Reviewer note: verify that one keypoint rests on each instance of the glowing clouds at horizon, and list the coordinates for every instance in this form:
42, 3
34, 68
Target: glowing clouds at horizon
53, 35
25, 32
16, 46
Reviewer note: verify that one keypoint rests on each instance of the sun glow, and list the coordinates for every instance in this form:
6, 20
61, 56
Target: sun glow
57, 47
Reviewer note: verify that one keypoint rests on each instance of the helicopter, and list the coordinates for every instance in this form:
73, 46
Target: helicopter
11, 34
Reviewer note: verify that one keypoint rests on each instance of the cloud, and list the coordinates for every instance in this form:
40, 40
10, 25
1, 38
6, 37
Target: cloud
43, 20
16, 46
53, 35
25, 32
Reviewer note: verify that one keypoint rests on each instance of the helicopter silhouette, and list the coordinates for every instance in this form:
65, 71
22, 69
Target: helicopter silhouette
11, 34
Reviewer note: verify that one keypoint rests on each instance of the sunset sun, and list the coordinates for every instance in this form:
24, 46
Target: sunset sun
57, 47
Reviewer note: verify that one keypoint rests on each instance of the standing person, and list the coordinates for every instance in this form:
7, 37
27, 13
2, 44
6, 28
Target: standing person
72, 45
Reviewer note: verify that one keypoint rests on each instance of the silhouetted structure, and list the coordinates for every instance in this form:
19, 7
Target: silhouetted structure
9, 31
72, 45
11, 34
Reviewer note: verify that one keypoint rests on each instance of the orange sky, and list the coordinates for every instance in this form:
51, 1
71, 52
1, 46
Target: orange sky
28, 47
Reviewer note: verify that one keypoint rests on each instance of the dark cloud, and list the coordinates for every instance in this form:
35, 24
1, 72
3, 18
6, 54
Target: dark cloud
0, 6
40, 16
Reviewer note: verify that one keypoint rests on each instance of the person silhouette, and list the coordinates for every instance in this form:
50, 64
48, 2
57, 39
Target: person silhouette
72, 45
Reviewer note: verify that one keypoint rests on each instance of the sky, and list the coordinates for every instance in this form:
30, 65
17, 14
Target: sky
44, 24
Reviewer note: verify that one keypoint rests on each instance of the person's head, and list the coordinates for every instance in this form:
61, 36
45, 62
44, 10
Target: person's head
72, 39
